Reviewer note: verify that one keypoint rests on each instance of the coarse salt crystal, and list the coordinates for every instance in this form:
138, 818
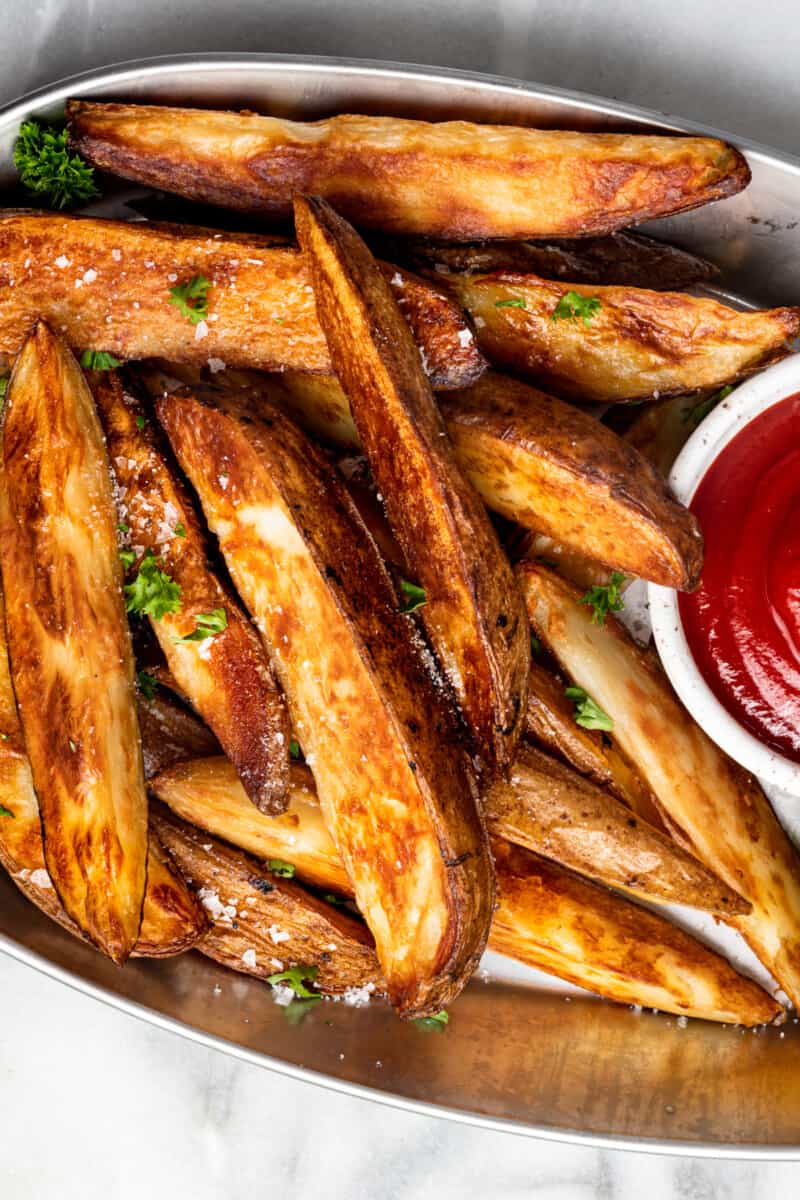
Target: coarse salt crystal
278, 935
358, 997
62, 261
40, 878
249, 959
282, 994
215, 365
464, 336
90, 275
116, 255
201, 331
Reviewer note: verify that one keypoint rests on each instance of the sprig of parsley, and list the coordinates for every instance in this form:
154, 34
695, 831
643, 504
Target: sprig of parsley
5, 812
46, 167
517, 302
588, 713
416, 596
152, 593
191, 298
180, 530
281, 868
573, 306
148, 684
207, 625
605, 598
434, 1024
296, 978
294, 749
99, 360
693, 416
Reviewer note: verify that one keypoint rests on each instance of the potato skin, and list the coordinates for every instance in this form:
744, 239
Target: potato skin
472, 615
106, 286
639, 344
453, 179
70, 649
227, 678
396, 789
714, 807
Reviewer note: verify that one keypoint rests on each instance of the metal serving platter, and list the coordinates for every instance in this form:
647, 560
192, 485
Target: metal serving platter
518, 1054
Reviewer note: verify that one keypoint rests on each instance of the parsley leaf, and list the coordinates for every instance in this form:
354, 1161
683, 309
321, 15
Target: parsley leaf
536, 646
693, 416
207, 625
336, 901
280, 867
294, 748
573, 305
416, 596
296, 978
3, 387
127, 557
5, 812
99, 360
587, 713
45, 165
180, 529
517, 302
191, 299
123, 528
152, 593
140, 421
434, 1024
148, 684
605, 598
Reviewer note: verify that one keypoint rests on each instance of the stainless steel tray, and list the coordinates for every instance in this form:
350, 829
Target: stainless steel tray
526, 1059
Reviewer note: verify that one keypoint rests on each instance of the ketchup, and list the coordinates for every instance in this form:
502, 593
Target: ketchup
743, 622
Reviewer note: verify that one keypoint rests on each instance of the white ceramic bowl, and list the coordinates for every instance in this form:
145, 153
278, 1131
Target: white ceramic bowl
703, 447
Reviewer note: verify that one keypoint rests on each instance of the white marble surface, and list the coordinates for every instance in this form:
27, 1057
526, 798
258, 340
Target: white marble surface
94, 1104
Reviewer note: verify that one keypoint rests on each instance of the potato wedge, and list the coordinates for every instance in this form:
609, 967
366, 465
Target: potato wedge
396, 790
171, 734
70, 648
627, 259
472, 614
451, 179
106, 285
262, 923
226, 677
581, 570
637, 345
660, 430
552, 468
547, 917
589, 936
717, 808
556, 813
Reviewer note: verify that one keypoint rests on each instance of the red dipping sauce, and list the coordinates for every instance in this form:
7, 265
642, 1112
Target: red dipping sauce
743, 622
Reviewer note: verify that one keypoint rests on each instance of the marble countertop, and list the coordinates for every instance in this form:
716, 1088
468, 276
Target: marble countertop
95, 1104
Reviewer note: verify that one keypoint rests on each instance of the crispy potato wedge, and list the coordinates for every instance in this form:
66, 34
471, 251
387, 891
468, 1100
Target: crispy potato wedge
626, 259
170, 734
552, 468
547, 917
584, 572
396, 790
583, 933
714, 806
451, 179
106, 285
203, 792
227, 677
261, 923
551, 810
637, 345
70, 648
660, 430
472, 614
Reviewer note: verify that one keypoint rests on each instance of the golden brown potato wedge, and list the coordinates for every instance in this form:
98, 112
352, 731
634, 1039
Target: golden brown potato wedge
660, 430
627, 259
262, 923
589, 936
451, 179
714, 806
547, 917
636, 345
584, 572
396, 790
226, 676
552, 811
106, 285
472, 614
550, 467
70, 648
170, 733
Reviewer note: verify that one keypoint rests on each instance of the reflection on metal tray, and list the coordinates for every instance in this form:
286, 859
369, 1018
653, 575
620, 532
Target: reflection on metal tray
517, 1054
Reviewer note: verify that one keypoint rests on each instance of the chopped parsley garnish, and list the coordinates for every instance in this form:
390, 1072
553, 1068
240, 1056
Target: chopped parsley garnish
152, 593
191, 298
148, 684
180, 529
435, 1023
140, 421
294, 748
605, 598
573, 306
207, 625
587, 713
280, 867
99, 360
3, 387
46, 167
336, 901
693, 416
127, 557
5, 812
415, 596
536, 646
296, 978
517, 302
123, 528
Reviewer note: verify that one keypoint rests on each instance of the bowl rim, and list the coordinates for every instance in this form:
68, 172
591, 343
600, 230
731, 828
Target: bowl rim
748, 401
